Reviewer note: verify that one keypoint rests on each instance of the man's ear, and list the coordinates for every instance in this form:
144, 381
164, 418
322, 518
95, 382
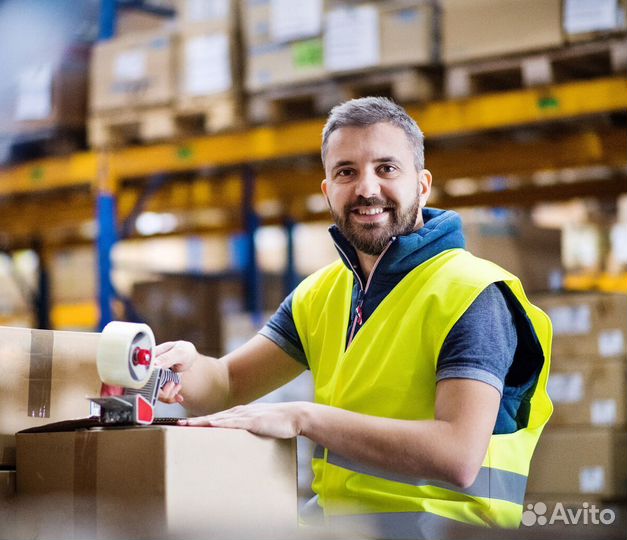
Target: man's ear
424, 184
324, 187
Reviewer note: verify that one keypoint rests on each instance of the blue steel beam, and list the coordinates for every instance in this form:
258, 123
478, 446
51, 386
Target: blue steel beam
291, 276
252, 276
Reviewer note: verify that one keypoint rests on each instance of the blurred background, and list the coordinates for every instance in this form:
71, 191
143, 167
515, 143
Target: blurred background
159, 162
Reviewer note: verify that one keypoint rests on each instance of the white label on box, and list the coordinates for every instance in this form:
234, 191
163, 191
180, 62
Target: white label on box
565, 387
288, 22
207, 10
590, 15
570, 320
592, 479
611, 342
603, 412
618, 241
207, 65
34, 97
130, 65
351, 39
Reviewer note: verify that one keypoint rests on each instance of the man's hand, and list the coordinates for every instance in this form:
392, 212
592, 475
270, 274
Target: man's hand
177, 356
278, 420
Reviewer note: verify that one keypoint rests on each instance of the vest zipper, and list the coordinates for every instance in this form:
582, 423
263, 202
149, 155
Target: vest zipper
358, 320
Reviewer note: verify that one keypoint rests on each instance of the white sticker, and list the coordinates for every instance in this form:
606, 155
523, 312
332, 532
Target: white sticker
130, 65
603, 412
592, 479
207, 67
351, 38
34, 97
590, 15
611, 342
207, 10
570, 320
287, 23
565, 387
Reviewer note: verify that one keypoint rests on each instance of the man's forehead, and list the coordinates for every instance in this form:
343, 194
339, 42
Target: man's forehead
383, 139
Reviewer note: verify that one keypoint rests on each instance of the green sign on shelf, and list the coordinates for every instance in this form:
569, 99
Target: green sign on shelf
308, 53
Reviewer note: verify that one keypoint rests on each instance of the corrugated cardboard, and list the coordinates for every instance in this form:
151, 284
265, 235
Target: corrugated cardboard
7, 504
207, 15
156, 482
529, 252
132, 71
407, 33
588, 392
474, 29
277, 64
590, 461
47, 377
586, 325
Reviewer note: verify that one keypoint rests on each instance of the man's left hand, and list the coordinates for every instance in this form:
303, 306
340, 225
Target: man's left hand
278, 420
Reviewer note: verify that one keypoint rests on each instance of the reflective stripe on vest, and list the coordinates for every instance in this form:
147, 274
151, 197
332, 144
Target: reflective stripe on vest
388, 371
490, 483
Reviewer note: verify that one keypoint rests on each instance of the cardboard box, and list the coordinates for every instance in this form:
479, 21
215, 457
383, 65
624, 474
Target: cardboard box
156, 482
132, 71
589, 461
73, 275
277, 64
206, 65
586, 325
46, 94
529, 252
207, 15
407, 33
256, 23
47, 377
590, 19
588, 392
473, 29
7, 504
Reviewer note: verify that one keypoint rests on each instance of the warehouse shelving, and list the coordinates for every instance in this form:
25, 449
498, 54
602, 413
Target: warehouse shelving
104, 173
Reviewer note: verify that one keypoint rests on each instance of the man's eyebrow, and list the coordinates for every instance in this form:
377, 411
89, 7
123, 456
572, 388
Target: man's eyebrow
385, 159
342, 164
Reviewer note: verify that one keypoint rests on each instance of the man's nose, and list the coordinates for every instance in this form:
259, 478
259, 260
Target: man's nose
368, 185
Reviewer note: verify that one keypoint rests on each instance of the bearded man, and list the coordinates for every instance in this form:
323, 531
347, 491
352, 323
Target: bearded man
429, 364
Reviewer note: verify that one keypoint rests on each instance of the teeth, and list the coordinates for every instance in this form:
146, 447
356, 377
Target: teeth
370, 211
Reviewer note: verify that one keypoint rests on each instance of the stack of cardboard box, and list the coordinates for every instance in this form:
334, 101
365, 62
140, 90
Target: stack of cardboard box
285, 46
161, 78
583, 451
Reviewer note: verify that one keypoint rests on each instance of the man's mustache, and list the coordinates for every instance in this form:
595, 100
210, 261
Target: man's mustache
369, 201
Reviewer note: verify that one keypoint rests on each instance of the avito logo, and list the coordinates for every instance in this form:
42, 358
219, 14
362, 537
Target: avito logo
587, 514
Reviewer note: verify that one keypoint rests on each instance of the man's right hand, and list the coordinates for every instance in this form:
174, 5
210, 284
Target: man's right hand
177, 356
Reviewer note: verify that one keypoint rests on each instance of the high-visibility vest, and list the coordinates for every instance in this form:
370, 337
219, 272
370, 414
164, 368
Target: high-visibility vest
389, 370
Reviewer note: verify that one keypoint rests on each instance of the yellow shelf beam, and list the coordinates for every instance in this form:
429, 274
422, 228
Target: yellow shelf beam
438, 120
49, 174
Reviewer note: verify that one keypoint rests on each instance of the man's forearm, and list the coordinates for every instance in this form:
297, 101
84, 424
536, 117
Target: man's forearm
422, 449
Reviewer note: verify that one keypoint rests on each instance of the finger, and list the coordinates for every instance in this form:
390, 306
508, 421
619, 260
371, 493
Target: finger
164, 347
167, 359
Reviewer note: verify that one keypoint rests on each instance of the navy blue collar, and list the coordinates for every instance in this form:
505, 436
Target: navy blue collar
442, 230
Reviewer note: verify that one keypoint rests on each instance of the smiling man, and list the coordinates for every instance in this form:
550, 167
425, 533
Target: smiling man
429, 364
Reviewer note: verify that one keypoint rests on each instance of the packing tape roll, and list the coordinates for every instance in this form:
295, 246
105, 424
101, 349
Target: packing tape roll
117, 350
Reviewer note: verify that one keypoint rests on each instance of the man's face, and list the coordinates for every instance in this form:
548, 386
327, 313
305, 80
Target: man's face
372, 187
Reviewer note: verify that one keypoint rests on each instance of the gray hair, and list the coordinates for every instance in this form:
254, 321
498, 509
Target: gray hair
367, 111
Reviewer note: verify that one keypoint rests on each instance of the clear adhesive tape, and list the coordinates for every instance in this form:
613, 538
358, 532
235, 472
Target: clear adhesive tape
118, 344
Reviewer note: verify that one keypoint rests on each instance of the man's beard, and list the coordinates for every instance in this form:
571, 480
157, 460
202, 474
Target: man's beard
372, 238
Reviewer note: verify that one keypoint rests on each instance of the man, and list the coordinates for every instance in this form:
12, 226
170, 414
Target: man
429, 364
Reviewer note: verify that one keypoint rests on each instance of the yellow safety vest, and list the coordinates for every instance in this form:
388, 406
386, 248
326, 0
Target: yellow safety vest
389, 371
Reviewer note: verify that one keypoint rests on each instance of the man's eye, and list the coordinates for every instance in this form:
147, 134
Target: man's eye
387, 169
344, 173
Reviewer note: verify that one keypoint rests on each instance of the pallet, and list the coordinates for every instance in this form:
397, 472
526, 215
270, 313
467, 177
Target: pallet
185, 119
310, 100
575, 62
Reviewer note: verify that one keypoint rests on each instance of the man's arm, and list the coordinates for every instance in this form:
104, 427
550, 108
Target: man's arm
450, 448
212, 384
